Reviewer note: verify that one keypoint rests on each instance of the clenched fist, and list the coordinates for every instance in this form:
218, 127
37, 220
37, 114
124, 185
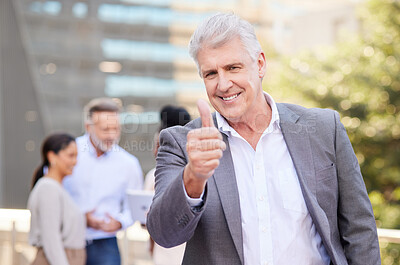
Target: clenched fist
204, 147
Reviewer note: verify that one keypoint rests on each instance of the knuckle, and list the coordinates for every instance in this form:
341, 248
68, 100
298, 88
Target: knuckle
191, 157
219, 153
209, 145
193, 133
189, 147
190, 134
223, 144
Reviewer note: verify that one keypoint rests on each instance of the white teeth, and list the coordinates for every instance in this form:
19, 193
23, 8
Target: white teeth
229, 98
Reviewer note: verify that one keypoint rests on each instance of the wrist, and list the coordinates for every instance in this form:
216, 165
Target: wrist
194, 186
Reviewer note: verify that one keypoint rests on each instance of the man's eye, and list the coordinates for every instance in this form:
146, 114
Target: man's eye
210, 74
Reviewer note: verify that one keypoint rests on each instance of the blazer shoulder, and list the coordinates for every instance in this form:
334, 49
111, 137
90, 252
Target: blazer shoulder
300, 110
307, 113
183, 130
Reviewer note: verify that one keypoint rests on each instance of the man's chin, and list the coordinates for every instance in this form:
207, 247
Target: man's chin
231, 115
107, 147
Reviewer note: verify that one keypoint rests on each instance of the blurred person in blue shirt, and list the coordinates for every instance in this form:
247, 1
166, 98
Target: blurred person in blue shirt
98, 184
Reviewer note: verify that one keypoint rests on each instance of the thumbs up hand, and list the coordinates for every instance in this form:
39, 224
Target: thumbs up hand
204, 147
205, 114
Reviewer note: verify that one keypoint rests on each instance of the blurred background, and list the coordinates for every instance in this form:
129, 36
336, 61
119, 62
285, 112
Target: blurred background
57, 55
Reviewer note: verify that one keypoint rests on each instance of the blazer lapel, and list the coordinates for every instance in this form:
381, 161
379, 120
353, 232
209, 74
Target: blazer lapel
297, 138
298, 142
225, 181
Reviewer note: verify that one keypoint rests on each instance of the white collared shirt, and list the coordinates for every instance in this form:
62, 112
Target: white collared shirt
276, 225
100, 183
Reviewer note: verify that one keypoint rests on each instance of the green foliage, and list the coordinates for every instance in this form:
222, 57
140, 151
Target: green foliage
360, 78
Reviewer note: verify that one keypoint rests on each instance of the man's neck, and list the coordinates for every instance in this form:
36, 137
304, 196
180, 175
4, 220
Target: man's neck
252, 126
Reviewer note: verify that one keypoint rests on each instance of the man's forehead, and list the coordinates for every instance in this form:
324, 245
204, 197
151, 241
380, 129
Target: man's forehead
228, 53
105, 116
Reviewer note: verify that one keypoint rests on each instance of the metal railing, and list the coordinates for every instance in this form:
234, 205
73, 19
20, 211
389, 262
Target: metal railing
15, 250
389, 235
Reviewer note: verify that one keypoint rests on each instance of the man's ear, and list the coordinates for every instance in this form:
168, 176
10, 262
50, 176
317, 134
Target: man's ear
261, 64
87, 126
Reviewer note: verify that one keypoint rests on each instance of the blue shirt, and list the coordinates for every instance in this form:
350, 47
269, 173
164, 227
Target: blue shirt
100, 183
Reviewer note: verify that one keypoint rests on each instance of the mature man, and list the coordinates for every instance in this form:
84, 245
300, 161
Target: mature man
271, 183
100, 178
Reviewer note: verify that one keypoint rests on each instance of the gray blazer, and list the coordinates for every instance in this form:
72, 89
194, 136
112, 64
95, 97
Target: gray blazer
329, 176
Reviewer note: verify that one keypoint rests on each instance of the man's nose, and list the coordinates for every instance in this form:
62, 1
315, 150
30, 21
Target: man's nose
112, 134
224, 82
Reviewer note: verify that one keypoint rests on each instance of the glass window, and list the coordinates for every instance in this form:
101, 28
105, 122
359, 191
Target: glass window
147, 15
36, 7
169, 2
80, 10
50, 7
120, 86
143, 50
149, 117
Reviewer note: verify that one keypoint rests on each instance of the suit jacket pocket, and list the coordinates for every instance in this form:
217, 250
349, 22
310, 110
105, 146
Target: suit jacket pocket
327, 189
327, 172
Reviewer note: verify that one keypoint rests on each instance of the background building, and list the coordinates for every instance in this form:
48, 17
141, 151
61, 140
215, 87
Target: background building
57, 55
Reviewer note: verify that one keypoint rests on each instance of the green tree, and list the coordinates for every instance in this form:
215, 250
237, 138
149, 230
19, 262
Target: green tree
360, 78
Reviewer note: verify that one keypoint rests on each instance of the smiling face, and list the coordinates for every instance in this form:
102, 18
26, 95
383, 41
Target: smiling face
65, 160
233, 80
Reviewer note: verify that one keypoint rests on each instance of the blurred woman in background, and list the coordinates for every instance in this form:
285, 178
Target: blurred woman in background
57, 225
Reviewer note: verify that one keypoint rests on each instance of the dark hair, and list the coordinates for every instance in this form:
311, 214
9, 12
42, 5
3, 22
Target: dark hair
171, 116
55, 143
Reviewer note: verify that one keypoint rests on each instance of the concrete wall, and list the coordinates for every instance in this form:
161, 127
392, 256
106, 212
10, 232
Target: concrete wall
21, 128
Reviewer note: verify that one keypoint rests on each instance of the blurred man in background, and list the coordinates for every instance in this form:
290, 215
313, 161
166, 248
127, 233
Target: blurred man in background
102, 175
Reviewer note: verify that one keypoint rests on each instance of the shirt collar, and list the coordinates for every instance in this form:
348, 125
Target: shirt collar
224, 127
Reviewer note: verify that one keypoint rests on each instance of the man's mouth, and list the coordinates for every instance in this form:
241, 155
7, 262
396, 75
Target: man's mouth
231, 97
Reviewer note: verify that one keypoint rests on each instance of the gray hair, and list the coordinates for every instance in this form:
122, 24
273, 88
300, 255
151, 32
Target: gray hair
100, 105
219, 29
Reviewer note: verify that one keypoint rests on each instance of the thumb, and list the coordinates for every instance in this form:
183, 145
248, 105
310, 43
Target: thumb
205, 113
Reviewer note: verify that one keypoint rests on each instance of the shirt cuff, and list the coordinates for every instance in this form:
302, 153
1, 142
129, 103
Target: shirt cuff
125, 220
193, 202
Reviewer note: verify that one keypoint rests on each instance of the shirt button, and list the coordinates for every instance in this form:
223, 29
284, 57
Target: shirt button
265, 263
264, 229
261, 198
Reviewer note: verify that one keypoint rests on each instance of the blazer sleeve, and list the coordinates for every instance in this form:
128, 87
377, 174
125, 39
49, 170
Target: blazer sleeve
171, 221
356, 221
